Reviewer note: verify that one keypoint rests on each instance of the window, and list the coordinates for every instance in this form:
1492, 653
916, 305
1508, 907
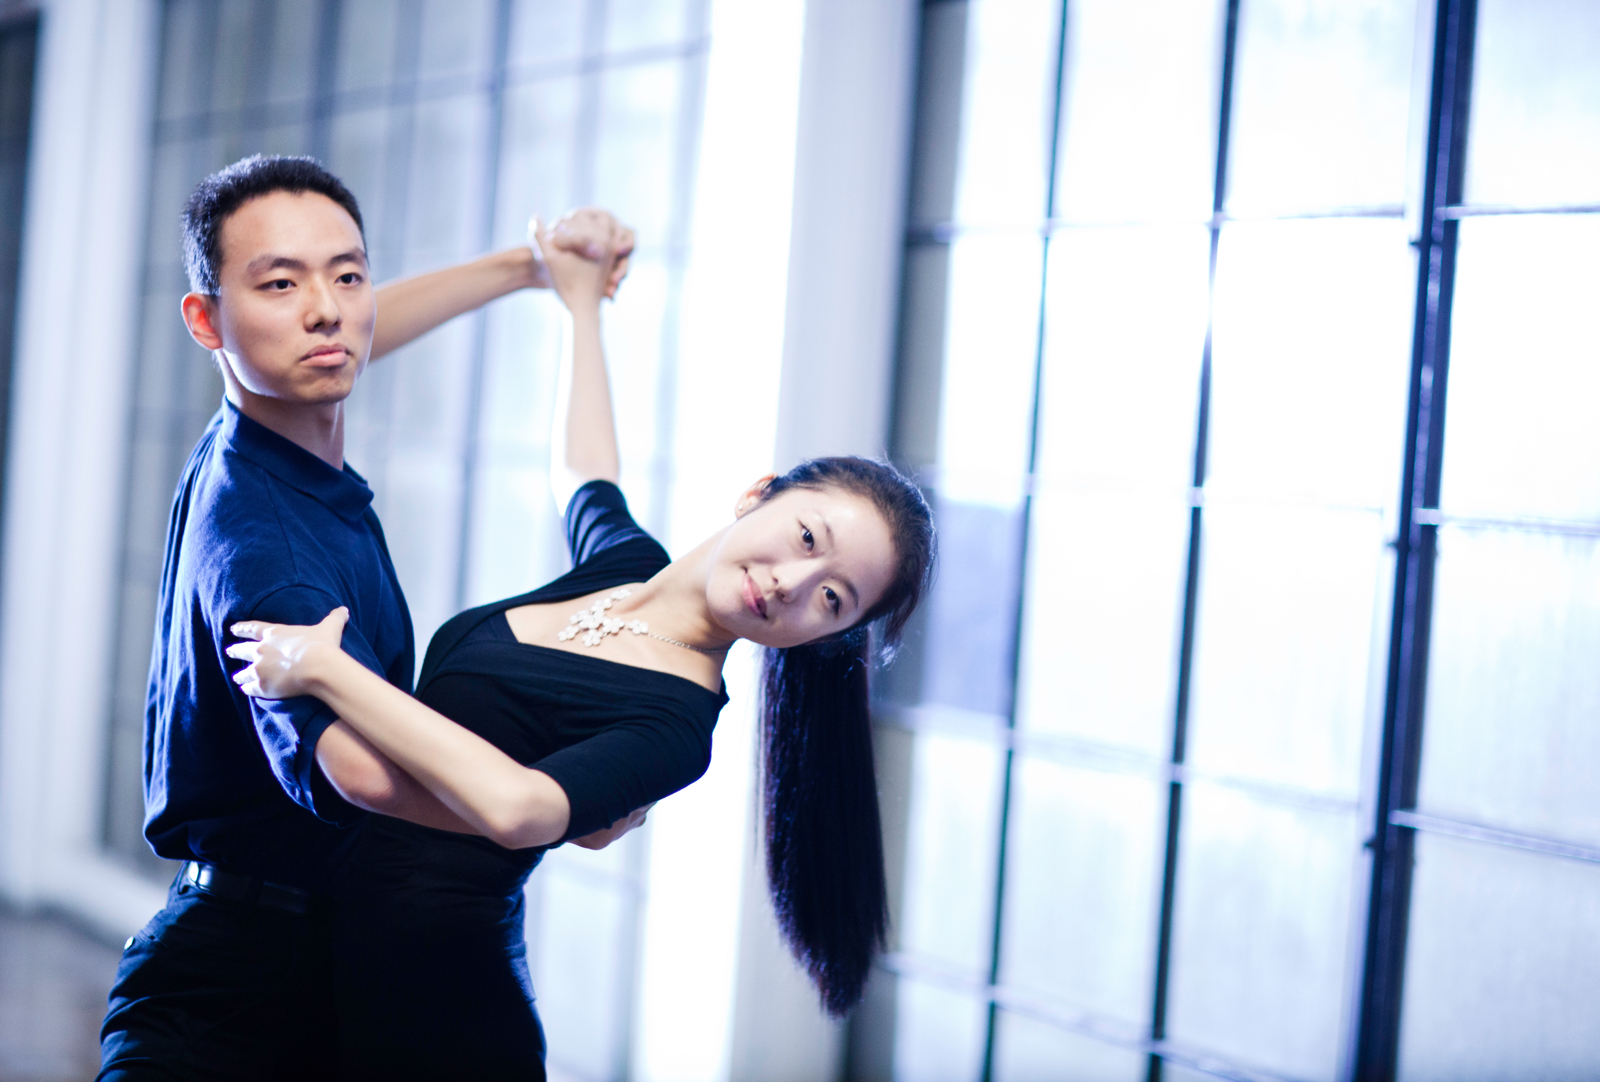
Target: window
452, 121
1259, 674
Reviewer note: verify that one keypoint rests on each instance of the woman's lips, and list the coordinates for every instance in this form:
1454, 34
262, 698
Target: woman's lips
753, 599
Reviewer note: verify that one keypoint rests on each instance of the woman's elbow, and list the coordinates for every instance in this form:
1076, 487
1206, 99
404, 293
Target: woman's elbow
519, 828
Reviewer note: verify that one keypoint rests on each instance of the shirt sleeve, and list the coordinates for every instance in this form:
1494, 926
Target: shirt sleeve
290, 728
598, 519
626, 767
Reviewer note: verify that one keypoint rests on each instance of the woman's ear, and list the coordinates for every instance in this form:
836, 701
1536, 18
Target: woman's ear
752, 495
199, 315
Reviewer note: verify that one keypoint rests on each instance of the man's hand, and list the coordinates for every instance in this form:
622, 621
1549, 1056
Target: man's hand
602, 838
589, 232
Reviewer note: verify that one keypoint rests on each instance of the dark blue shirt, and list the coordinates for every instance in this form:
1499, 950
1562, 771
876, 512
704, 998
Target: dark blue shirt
260, 529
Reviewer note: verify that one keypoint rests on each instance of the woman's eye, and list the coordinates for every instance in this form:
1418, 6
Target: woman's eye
833, 599
805, 537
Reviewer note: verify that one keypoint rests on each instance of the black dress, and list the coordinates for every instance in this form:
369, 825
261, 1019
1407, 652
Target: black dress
433, 976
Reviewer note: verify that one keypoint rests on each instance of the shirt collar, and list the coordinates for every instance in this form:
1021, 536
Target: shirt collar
344, 492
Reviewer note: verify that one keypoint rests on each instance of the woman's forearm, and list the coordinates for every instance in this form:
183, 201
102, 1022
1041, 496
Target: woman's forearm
411, 307
511, 804
584, 443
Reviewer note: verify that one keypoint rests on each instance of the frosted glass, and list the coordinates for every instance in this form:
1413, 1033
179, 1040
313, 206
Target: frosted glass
1535, 98
939, 1033
1514, 682
951, 850
1311, 357
1322, 103
992, 340
294, 53
1120, 388
185, 33
1502, 966
1102, 622
369, 30
937, 139
1261, 957
582, 973
1289, 650
1083, 868
1008, 110
635, 153
536, 141
545, 31
969, 619
457, 38
1139, 113
643, 24
1027, 1050
1520, 432
444, 207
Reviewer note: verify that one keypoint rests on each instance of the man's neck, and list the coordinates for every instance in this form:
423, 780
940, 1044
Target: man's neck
317, 427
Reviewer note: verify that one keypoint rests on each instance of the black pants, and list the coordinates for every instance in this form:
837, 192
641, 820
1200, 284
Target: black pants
212, 989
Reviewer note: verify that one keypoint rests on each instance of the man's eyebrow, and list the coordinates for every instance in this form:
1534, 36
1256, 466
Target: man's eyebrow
263, 263
354, 255
855, 597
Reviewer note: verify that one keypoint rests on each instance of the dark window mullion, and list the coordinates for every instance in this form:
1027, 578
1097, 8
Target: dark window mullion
1191, 590
1377, 1038
1020, 600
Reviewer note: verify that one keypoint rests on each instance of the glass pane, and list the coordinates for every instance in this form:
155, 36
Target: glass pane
950, 851
642, 24
536, 146
937, 139
370, 31
444, 209
1322, 102
1264, 908
992, 346
1008, 111
1289, 660
1119, 394
1514, 683
186, 31
1311, 357
1535, 97
457, 38
1027, 1050
635, 151
1520, 434
1083, 885
582, 968
295, 25
543, 31
939, 1033
1502, 965
1101, 627
1139, 115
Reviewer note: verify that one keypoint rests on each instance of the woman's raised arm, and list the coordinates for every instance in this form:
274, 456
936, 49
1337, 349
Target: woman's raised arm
583, 440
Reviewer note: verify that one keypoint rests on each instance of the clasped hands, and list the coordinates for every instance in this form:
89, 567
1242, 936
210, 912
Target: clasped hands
587, 250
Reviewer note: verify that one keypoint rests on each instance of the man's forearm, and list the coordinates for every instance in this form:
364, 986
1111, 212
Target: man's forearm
411, 307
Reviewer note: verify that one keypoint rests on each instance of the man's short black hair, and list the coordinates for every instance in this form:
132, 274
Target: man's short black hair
226, 190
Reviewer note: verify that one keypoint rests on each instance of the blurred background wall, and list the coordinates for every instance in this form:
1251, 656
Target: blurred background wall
1247, 349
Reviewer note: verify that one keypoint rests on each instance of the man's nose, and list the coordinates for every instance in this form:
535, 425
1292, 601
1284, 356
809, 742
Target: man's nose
322, 307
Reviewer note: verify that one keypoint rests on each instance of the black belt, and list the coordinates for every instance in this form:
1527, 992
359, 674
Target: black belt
246, 889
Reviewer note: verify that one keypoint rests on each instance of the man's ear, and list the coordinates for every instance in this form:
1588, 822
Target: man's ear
200, 316
752, 496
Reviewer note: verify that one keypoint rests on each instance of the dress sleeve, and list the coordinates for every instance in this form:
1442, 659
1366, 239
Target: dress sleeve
598, 520
290, 728
626, 767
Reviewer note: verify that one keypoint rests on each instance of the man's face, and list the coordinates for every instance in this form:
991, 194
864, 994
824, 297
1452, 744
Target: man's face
295, 310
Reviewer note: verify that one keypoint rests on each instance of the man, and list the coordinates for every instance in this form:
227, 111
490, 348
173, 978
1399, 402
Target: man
232, 980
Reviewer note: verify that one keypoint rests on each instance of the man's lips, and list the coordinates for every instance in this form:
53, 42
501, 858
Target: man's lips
326, 356
753, 599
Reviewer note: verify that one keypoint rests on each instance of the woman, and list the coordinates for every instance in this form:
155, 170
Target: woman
606, 683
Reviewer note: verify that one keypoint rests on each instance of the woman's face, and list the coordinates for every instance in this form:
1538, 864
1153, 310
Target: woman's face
799, 566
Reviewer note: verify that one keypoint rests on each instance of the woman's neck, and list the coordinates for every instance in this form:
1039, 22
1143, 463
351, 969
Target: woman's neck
676, 598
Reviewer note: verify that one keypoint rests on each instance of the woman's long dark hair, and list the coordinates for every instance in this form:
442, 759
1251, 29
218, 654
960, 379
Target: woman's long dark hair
819, 786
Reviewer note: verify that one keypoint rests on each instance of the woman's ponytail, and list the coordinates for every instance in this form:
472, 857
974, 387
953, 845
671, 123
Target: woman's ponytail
819, 785
820, 796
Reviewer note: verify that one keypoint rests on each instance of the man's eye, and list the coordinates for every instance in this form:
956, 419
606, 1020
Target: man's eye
349, 278
280, 284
